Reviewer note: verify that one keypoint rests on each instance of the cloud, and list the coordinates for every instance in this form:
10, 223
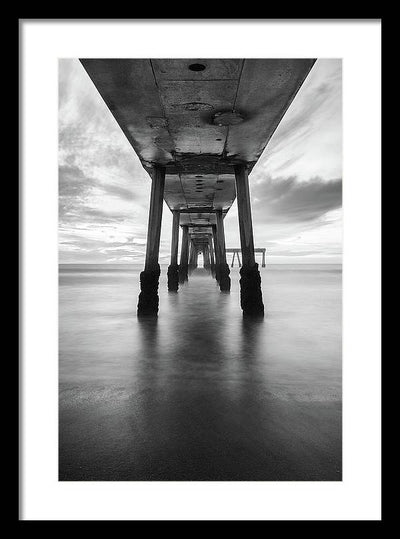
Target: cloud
319, 96
73, 182
104, 191
77, 194
279, 200
308, 140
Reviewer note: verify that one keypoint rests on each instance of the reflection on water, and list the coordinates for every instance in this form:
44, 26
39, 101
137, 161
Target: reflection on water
200, 393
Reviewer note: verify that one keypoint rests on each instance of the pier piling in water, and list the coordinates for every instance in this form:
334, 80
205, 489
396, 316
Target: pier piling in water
184, 261
212, 258
149, 278
173, 273
250, 282
223, 268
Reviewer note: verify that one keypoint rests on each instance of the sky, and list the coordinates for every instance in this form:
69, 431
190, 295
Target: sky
295, 188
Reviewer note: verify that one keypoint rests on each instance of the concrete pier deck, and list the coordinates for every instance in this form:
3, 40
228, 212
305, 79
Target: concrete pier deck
198, 118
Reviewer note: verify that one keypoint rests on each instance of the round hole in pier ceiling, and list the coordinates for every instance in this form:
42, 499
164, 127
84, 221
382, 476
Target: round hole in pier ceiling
197, 67
227, 118
198, 176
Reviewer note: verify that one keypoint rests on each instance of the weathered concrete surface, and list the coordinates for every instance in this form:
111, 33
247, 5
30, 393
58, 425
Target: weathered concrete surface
171, 115
149, 278
148, 298
184, 262
173, 274
251, 299
223, 268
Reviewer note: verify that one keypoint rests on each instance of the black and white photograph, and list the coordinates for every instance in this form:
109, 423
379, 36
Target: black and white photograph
200, 269
200, 274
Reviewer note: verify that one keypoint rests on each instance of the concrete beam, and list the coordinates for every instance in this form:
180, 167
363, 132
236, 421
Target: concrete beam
149, 278
250, 282
212, 257
216, 252
184, 261
223, 268
172, 274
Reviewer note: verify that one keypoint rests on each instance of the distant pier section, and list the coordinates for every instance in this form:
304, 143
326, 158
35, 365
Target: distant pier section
237, 252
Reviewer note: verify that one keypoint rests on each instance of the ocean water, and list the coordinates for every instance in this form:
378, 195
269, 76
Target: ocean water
200, 393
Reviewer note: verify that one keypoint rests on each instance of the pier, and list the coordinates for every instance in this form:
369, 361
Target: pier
188, 382
237, 253
198, 127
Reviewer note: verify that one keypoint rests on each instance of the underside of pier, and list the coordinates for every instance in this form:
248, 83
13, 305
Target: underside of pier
199, 126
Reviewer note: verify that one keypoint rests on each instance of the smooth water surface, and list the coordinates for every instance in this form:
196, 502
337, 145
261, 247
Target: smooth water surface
200, 393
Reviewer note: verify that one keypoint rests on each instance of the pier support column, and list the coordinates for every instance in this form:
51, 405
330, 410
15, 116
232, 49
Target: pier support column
216, 252
149, 278
206, 257
173, 276
195, 256
223, 268
212, 258
250, 283
192, 255
263, 259
183, 266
